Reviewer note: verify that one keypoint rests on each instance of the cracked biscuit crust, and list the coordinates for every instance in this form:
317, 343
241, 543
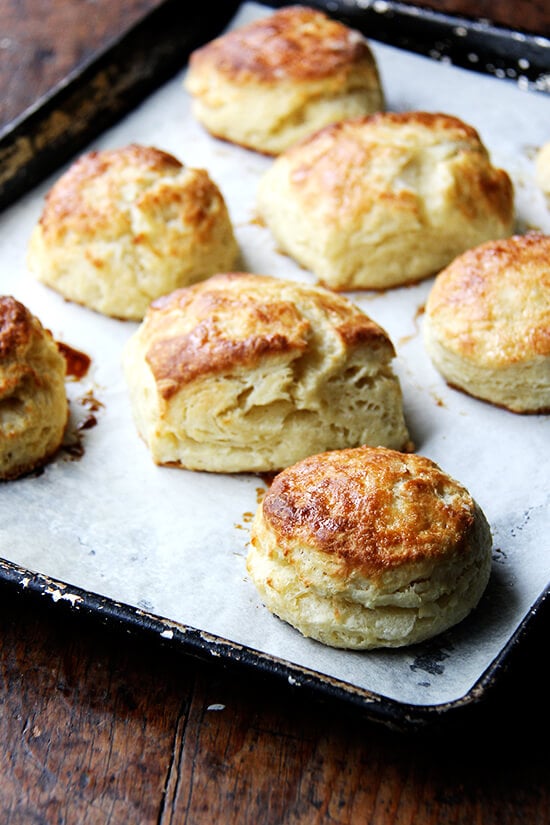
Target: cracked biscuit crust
246, 372
122, 227
33, 403
385, 200
271, 82
487, 323
369, 547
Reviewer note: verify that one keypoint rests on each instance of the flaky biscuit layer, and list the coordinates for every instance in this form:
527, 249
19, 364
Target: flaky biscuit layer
250, 373
271, 82
385, 200
122, 227
33, 402
487, 322
369, 547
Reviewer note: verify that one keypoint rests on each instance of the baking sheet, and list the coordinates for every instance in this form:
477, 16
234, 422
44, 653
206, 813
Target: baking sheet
173, 543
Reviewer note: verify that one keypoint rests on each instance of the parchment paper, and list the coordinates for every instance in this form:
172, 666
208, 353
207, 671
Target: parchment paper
173, 542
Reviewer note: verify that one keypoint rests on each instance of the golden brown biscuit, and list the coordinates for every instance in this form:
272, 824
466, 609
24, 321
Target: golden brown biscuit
542, 170
385, 200
33, 402
248, 373
124, 226
273, 81
368, 548
487, 323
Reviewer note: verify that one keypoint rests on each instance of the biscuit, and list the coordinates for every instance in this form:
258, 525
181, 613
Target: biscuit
385, 200
369, 547
542, 170
33, 401
487, 323
268, 84
122, 227
249, 373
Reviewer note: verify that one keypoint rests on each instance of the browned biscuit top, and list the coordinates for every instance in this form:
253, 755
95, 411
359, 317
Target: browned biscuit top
21, 337
492, 303
369, 509
297, 43
16, 328
94, 197
362, 164
236, 319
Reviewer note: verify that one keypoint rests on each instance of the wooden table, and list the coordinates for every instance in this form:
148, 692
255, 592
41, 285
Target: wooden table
100, 725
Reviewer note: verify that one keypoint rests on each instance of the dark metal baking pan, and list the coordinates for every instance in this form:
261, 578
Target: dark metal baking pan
479, 45
134, 66
191, 641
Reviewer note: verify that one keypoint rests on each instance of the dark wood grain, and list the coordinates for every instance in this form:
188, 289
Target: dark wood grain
86, 730
98, 725
42, 43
